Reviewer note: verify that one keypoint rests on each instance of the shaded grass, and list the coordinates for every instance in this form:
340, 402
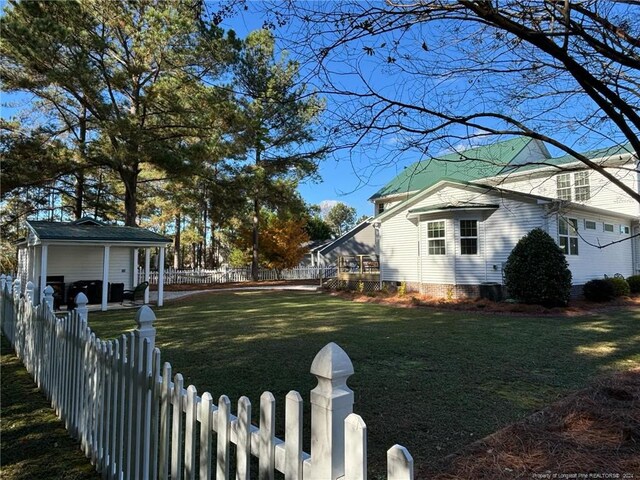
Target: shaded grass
433, 381
34, 442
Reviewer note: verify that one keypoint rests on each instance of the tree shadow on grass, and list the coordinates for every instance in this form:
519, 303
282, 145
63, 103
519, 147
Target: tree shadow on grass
34, 442
431, 380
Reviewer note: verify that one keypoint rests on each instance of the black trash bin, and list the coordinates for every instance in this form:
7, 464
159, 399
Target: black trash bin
117, 290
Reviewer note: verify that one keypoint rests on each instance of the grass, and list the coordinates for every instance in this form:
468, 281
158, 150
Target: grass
431, 380
34, 442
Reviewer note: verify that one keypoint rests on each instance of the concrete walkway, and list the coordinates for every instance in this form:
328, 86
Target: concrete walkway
168, 296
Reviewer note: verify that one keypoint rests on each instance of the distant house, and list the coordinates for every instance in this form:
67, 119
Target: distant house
360, 240
87, 251
447, 225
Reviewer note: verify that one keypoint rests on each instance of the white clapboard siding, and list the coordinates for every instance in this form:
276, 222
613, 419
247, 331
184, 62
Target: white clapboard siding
134, 421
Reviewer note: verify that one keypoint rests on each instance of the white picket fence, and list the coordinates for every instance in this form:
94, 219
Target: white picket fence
135, 420
229, 275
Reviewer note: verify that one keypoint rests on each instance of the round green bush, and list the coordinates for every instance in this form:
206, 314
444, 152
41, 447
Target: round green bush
634, 283
599, 290
537, 271
620, 286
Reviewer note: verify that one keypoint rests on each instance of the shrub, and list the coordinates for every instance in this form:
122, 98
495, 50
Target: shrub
620, 286
634, 283
599, 290
537, 271
402, 289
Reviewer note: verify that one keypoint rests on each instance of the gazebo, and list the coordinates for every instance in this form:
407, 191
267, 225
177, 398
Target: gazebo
88, 252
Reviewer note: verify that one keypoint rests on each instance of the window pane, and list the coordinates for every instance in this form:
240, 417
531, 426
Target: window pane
608, 227
589, 225
564, 245
468, 246
437, 247
468, 228
562, 227
564, 193
580, 179
435, 229
564, 180
573, 246
583, 194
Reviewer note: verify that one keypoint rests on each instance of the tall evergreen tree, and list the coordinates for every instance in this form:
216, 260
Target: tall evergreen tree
132, 71
279, 116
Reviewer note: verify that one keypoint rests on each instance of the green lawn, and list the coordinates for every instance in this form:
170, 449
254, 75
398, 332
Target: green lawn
34, 441
430, 380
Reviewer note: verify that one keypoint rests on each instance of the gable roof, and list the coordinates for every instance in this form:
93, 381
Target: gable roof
345, 236
472, 164
91, 231
606, 153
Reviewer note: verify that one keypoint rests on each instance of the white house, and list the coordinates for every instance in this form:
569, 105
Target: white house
446, 226
61, 253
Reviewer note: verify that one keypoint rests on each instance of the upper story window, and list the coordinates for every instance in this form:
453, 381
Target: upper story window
578, 182
469, 237
379, 208
436, 238
607, 227
563, 182
568, 235
581, 189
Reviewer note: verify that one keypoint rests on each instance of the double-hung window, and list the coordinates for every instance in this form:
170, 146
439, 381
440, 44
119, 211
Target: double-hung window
581, 189
563, 182
468, 237
574, 187
436, 238
568, 235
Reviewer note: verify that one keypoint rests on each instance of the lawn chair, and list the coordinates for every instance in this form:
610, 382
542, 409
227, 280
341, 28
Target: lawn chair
135, 294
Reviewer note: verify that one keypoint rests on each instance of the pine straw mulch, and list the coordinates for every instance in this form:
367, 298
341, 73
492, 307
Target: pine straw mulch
593, 433
416, 300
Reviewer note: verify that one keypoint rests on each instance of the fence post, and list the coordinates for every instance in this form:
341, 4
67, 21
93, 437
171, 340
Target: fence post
3, 281
82, 309
145, 339
331, 403
48, 297
17, 288
28, 292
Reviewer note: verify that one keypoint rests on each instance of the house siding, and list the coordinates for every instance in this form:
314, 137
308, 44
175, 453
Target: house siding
604, 194
593, 262
85, 263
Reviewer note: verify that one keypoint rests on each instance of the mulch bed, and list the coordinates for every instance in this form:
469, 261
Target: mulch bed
415, 300
593, 433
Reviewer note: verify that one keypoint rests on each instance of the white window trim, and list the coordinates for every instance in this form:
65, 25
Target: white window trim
477, 236
444, 238
595, 224
569, 235
604, 227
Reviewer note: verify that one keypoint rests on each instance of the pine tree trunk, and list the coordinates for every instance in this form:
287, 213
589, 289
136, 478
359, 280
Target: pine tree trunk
177, 251
254, 256
129, 177
79, 200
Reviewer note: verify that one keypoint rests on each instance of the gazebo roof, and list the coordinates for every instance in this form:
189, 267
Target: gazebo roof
89, 230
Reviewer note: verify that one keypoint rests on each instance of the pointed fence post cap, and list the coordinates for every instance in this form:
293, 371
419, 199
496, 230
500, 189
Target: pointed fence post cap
48, 291
29, 285
81, 300
332, 362
145, 318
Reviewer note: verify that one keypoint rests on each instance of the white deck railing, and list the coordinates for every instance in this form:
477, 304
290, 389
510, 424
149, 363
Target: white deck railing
135, 419
232, 275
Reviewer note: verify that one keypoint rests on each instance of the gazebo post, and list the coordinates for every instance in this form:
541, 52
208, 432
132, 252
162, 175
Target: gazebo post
134, 279
160, 278
147, 267
105, 278
44, 260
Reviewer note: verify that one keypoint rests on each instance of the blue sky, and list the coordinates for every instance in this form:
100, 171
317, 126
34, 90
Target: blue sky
343, 177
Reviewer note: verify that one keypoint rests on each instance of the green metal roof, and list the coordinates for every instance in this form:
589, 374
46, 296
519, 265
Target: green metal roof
92, 232
472, 164
605, 153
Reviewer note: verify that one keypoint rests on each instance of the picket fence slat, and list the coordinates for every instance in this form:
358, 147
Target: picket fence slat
234, 275
134, 422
